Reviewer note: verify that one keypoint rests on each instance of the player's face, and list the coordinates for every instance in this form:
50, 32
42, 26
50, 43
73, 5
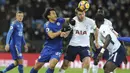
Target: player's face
19, 16
80, 15
53, 16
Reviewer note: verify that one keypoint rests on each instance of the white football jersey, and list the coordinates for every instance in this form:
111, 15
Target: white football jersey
109, 23
81, 32
114, 45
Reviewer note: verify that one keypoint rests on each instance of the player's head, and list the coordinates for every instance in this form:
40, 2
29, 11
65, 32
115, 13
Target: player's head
99, 18
19, 16
80, 14
50, 14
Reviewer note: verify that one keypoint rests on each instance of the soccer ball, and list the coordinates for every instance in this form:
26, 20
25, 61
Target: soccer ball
83, 5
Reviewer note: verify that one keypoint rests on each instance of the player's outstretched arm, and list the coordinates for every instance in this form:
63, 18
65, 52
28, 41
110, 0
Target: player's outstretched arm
52, 35
70, 21
125, 39
108, 40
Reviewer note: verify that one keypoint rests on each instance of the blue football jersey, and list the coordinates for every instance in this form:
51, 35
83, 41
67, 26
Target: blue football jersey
15, 34
56, 43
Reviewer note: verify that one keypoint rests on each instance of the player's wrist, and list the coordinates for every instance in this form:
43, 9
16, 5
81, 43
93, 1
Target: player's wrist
102, 50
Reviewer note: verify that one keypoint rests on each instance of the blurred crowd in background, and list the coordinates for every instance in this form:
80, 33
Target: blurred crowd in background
118, 11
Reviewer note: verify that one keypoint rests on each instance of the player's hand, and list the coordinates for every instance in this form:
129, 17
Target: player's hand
99, 56
72, 22
7, 47
62, 34
26, 47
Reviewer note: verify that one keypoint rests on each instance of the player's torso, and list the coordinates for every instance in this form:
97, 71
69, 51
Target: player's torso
106, 22
17, 33
114, 43
55, 43
81, 33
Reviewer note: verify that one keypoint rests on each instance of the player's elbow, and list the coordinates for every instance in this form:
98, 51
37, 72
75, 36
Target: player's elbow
52, 36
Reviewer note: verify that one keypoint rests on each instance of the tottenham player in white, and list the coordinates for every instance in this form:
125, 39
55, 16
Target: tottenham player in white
110, 41
79, 43
109, 23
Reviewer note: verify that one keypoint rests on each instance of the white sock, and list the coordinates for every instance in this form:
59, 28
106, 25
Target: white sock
111, 72
85, 70
95, 69
61, 71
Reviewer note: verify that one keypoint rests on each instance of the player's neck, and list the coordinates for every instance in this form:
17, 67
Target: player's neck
81, 19
18, 21
52, 21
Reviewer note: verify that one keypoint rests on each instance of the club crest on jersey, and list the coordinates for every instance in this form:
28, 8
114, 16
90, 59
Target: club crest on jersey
58, 23
80, 32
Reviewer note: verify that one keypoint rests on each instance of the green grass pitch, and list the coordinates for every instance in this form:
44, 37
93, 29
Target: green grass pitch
69, 70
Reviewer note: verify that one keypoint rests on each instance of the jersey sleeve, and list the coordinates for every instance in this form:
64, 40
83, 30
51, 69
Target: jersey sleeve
47, 28
11, 29
110, 25
93, 26
61, 20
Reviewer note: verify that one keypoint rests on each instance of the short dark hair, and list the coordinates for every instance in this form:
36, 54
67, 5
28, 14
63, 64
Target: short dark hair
78, 9
47, 12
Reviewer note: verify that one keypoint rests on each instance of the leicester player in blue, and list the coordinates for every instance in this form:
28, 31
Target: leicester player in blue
53, 41
14, 41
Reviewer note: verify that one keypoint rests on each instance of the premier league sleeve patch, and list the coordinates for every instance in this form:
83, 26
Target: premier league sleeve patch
11, 27
47, 29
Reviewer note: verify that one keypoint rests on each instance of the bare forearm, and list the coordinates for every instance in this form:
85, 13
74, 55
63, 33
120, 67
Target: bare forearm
96, 35
92, 40
52, 35
108, 39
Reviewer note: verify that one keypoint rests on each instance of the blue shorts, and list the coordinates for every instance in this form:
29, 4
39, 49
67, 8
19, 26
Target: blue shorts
73, 51
118, 57
16, 52
105, 55
47, 54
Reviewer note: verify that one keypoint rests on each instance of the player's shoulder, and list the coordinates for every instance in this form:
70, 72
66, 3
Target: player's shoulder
103, 27
46, 24
89, 19
108, 21
75, 18
60, 19
14, 22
